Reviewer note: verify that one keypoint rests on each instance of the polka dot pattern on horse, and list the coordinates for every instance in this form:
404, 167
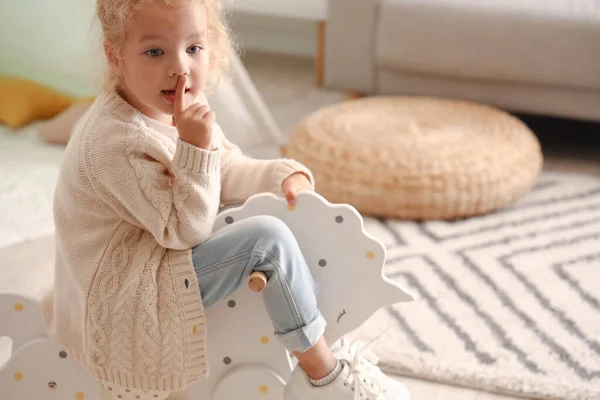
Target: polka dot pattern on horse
123, 393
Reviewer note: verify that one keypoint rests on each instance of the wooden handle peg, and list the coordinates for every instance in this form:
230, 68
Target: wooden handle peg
257, 281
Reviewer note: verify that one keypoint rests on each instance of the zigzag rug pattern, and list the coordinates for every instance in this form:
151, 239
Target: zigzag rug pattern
508, 302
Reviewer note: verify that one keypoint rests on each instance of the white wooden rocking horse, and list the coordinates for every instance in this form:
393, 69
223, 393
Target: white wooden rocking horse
346, 262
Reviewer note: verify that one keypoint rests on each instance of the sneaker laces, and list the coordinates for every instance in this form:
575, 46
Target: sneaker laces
357, 345
363, 373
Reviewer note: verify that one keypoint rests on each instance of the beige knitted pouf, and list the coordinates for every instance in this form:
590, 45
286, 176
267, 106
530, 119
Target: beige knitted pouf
417, 158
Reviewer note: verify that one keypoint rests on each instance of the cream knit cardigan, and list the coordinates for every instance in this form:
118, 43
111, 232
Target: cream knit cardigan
131, 202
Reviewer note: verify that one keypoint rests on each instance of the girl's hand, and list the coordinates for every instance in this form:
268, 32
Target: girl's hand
194, 122
294, 184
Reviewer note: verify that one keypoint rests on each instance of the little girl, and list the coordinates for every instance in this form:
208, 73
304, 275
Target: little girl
143, 177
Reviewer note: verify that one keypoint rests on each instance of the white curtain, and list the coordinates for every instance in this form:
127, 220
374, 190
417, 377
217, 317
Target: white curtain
244, 116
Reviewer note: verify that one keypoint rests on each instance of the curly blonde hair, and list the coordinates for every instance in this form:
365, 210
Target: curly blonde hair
115, 15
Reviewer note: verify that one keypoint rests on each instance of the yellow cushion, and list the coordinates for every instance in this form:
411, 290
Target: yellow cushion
22, 101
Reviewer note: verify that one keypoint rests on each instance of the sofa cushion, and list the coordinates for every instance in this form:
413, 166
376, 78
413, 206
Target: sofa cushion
547, 42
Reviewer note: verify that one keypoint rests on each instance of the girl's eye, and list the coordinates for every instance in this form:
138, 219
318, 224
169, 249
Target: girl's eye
194, 49
154, 52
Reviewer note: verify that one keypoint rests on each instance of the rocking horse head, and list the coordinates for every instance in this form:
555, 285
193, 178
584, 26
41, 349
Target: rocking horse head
346, 261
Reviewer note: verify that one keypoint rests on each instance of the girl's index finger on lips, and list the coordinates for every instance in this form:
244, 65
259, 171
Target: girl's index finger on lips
180, 105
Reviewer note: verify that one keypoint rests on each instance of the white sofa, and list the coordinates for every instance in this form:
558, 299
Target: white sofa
532, 56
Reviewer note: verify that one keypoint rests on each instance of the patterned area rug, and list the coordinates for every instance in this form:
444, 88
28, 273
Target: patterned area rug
508, 302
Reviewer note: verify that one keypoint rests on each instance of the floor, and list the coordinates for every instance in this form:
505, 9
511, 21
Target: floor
287, 85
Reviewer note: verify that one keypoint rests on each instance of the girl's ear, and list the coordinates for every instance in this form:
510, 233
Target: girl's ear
111, 56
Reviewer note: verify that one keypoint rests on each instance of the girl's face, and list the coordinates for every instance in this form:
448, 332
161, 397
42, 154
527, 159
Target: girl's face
163, 43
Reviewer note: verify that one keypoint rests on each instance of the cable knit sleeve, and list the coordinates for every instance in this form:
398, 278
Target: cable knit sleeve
175, 199
243, 177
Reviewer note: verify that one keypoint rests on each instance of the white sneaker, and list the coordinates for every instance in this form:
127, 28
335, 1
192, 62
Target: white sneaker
345, 349
360, 379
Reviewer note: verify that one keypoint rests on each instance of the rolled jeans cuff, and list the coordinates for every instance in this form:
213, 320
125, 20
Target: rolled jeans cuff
304, 338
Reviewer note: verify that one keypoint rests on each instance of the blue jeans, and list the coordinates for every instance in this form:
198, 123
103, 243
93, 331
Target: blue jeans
263, 243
